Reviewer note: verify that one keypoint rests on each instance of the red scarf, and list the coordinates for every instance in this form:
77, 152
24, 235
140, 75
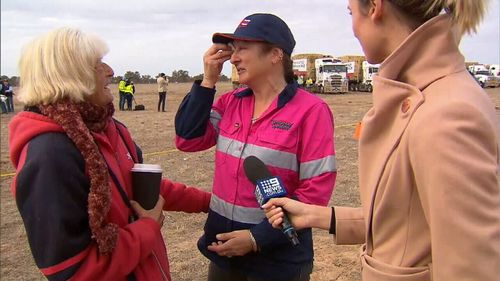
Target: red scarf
78, 120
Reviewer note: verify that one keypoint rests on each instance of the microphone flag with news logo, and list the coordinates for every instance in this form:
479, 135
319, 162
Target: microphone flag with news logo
267, 187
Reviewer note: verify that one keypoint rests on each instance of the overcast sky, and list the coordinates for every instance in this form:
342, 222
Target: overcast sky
152, 36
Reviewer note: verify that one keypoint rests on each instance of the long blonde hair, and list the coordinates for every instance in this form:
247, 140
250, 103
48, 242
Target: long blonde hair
60, 64
467, 14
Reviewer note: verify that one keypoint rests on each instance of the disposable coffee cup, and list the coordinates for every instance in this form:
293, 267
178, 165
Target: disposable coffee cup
146, 181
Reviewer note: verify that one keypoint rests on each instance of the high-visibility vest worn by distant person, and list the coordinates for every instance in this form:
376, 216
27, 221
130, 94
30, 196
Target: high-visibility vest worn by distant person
129, 89
121, 86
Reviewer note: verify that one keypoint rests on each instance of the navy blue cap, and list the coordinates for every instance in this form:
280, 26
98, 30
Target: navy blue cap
260, 28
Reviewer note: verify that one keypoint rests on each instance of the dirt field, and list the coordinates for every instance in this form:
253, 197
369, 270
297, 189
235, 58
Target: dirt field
154, 132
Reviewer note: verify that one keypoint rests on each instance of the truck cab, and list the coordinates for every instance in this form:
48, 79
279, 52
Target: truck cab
360, 73
495, 72
331, 75
485, 79
483, 76
368, 71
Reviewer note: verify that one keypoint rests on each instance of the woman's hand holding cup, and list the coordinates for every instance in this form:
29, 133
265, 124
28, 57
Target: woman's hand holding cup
156, 213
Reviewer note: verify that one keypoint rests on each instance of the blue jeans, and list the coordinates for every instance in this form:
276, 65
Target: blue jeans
128, 98
121, 103
3, 106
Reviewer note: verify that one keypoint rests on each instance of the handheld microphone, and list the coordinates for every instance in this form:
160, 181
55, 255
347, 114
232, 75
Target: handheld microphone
267, 187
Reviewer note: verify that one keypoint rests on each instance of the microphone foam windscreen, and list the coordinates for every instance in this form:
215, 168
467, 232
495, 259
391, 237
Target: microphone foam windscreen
255, 169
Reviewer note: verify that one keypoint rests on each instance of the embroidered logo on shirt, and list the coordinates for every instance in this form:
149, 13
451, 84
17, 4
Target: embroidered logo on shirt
129, 157
281, 125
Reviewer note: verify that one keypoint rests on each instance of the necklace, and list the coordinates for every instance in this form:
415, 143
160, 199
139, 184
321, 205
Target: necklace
255, 119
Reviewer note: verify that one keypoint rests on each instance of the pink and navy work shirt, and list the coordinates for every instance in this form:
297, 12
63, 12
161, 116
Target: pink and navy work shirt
294, 137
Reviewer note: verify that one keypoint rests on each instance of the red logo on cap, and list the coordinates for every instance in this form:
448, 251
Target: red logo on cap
244, 22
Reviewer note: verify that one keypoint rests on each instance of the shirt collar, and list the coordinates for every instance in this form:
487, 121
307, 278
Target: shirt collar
284, 97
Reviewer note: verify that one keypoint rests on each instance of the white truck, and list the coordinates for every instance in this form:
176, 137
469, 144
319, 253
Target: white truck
360, 73
328, 74
483, 76
331, 75
495, 72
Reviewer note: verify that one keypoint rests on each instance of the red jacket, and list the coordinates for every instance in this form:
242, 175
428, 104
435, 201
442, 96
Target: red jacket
51, 191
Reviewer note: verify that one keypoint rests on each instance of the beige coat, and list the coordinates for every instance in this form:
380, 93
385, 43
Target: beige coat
428, 166
162, 84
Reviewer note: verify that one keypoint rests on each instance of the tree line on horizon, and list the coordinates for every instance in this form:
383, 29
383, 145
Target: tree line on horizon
13, 80
179, 76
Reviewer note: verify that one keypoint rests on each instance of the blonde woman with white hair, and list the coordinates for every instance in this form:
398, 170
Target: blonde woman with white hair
73, 160
428, 152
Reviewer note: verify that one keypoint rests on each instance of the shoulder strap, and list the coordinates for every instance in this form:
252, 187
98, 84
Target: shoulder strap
122, 192
119, 127
126, 201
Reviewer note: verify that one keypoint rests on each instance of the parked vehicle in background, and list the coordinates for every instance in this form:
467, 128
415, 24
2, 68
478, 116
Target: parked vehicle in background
329, 75
495, 72
483, 76
360, 73
485, 79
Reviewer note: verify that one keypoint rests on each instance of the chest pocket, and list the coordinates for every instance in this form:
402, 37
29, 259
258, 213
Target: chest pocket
279, 140
226, 141
229, 127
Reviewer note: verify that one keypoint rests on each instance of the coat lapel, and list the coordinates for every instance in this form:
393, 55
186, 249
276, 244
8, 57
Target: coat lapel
383, 127
427, 55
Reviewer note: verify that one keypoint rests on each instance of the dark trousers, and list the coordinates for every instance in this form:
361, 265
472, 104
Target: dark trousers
162, 100
215, 273
3, 106
121, 103
10, 103
128, 98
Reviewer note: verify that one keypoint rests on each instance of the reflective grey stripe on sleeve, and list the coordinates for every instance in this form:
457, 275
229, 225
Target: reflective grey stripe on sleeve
215, 119
236, 213
269, 156
317, 167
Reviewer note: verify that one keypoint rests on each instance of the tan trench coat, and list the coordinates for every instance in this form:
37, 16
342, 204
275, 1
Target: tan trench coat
428, 166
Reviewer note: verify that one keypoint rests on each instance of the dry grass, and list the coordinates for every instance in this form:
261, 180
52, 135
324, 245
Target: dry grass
154, 132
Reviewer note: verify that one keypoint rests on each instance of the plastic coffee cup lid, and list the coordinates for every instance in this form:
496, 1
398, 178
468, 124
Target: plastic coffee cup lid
154, 168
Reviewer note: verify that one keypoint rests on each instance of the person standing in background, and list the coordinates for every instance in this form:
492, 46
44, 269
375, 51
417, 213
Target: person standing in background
129, 90
121, 93
9, 93
162, 81
300, 80
309, 83
3, 100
